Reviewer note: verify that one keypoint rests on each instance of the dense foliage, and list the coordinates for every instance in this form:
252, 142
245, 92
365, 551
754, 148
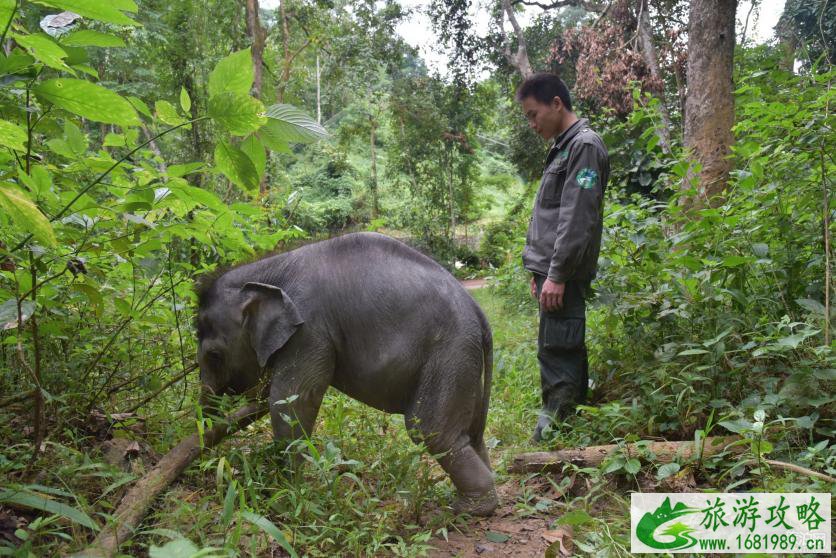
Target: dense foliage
136, 154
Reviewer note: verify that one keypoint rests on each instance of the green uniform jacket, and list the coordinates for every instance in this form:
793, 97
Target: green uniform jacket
564, 234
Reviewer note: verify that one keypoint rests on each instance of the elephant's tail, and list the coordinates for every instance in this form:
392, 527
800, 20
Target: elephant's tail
481, 418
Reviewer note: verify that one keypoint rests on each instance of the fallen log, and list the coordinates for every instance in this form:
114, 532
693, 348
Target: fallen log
139, 498
593, 456
799, 469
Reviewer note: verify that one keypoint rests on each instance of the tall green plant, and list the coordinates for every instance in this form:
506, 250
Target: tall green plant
100, 235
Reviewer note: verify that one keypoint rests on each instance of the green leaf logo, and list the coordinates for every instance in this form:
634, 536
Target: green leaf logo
587, 178
679, 531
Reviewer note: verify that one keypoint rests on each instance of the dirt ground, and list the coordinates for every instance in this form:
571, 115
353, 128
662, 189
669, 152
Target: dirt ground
471, 284
505, 533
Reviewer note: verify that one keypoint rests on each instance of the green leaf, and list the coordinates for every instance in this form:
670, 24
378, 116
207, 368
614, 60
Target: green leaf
735, 261
38, 502
763, 446
26, 214
667, 470
140, 106
168, 114
186, 192
290, 124
633, 466
236, 166
76, 55
254, 149
75, 138
575, 517
108, 11
6, 9
176, 171
737, 426
15, 62
760, 249
268, 527
229, 504
115, 140
93, 295
84, 68
8, 313
272, 138
233, 74
43, 48
12, 136
38, 180
689, 352
178, 548
185, 101
88, 37
239, 114
89, 100
497, 537
614, 466
811, 305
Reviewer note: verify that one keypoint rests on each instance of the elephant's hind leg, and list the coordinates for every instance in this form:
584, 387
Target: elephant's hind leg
472, 478
467, 469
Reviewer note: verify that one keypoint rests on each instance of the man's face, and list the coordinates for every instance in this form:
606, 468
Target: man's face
545, 119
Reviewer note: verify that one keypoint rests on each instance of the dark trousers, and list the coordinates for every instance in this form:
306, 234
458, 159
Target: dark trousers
561, 350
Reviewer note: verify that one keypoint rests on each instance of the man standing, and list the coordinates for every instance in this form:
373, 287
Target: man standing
563, 241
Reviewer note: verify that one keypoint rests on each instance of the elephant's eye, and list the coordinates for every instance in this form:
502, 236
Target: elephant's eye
214, 356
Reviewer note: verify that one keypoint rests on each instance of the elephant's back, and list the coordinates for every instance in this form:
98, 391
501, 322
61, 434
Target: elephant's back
395, 315
382, 282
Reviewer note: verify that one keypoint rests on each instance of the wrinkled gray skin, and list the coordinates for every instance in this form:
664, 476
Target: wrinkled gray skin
375, 319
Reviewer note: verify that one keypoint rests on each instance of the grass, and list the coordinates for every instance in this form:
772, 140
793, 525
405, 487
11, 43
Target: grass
365, 489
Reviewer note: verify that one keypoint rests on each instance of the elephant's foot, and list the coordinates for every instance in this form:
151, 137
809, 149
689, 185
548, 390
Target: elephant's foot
481, 504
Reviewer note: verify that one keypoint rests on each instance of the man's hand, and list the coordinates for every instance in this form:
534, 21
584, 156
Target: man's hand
551, 297
533, 288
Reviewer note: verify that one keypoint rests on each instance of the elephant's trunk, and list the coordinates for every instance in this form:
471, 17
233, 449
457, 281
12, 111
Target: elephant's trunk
207, 396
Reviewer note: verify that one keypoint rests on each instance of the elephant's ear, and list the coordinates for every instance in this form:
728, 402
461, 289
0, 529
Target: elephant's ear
270, 318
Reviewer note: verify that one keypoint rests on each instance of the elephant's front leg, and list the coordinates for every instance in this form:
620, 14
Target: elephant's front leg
295, 397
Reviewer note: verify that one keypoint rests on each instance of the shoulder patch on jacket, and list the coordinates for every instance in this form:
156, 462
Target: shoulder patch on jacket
587, 178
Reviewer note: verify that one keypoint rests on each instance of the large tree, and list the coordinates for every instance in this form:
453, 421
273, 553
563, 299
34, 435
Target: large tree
709, 104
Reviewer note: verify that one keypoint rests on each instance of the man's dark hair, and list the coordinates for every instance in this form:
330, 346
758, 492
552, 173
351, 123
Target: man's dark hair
544, 87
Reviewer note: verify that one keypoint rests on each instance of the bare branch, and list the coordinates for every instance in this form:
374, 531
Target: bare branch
588, 6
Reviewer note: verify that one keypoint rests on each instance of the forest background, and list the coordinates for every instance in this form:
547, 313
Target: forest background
144, 144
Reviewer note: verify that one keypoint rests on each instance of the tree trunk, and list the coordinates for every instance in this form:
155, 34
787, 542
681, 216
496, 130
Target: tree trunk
648, 51
518, 59
258, 37
138, 500
372, 140
788, 41
318, 93
452, 193
286, 56
593, 456
709, 104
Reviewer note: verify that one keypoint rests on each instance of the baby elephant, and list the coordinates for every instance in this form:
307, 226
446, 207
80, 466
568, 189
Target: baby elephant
372, 317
